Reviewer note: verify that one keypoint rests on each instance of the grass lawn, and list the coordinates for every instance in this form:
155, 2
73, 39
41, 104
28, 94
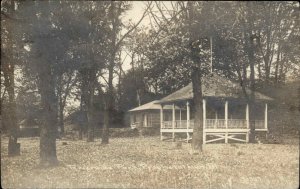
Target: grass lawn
150, 163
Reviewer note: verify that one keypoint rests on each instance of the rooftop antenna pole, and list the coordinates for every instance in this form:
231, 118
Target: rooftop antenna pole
211, 69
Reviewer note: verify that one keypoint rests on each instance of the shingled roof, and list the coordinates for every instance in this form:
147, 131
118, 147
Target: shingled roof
151, 106
213, 85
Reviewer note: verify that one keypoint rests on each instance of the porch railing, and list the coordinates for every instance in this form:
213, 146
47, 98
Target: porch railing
141, 124
221, 124
259, 124
215, 124
178, 124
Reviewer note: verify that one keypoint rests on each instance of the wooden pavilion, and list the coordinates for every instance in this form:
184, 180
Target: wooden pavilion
225, 111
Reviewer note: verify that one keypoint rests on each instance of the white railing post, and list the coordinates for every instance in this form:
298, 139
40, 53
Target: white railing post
247, 122
161, 120
226, 121
266, 116
173, 121
204, 120
187, 120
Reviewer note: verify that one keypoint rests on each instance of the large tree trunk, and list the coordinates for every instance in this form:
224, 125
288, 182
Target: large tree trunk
87, 102
252, 95
252, 84
109, 105
13, 129
277, 65
138, 102
90, 112
61, 120
105, 130
91, 129
109, 101
9, 82
48, 129
59, 107
83, 103
249, 49
197, 140
81, 120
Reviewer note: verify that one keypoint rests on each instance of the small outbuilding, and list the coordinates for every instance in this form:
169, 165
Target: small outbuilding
148, 115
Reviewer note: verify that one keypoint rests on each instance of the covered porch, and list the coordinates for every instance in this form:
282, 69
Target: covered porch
225, 111
217, 124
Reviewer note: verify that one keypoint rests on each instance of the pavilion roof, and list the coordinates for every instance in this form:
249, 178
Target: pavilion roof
151, 106
213, 85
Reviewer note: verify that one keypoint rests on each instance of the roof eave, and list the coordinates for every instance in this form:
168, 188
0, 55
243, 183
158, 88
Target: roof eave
163, 102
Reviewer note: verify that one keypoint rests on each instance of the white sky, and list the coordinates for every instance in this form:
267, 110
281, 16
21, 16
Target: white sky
135, 14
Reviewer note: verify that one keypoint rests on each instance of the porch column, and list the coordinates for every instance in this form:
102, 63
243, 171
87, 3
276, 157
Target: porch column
146, 120
247, 122
173, 121
180, 117
204, 120
266, 116
187, 120
161, 120
226, 121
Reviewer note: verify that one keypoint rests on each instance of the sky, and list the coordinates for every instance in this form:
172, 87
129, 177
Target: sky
134, 14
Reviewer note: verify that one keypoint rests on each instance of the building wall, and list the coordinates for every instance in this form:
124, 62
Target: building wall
152, 118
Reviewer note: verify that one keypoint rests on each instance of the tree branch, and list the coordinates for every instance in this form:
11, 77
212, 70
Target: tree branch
161, 12
104, 79
160, 29
133, 27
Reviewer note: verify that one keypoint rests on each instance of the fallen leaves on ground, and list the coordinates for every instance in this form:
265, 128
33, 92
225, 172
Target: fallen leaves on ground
147, 162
